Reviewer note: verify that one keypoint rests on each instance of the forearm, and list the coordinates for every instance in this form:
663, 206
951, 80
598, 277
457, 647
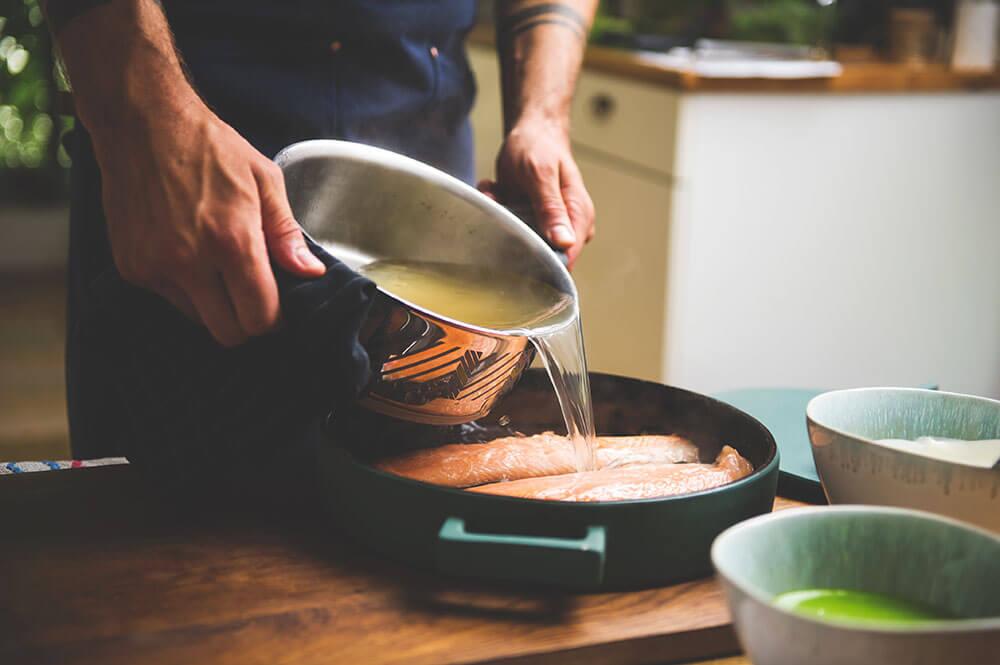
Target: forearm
541, 46
121, 61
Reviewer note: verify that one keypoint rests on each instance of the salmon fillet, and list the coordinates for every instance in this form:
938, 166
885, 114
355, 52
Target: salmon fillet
644, 481
517, 457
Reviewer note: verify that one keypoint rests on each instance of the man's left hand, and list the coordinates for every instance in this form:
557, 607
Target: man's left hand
535, 165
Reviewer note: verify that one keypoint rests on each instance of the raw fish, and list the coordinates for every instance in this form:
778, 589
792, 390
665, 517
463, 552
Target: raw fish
641, 481
518, 457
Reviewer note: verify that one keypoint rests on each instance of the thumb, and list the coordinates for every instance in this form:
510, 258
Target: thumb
550, 212
285, 242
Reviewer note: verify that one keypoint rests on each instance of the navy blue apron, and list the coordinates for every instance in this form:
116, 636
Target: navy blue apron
146, 383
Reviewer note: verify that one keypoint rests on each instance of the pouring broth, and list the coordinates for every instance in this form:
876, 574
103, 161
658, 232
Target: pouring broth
513, 304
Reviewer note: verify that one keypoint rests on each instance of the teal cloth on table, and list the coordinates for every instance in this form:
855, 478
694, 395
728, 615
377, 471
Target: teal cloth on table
783, 412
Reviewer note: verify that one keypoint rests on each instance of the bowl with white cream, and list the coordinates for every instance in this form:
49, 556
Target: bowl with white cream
908, 447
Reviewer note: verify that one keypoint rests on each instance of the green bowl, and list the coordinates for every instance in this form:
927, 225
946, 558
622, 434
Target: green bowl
843, 423
907, 554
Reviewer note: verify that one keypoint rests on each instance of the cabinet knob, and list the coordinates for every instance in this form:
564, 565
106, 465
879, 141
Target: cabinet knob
602, 105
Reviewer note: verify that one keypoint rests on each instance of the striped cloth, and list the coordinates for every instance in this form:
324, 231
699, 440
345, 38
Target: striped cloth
7, 468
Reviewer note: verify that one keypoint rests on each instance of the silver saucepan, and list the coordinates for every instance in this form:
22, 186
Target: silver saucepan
362, 204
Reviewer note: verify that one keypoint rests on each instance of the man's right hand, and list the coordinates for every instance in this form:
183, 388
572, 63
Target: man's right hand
193, 212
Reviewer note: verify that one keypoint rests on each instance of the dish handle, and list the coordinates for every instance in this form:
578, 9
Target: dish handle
563, 562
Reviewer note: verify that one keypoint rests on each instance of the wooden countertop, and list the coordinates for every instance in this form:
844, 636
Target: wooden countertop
95, 567
856, 77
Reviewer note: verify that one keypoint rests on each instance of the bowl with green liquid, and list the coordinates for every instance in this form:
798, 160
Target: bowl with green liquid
862, 585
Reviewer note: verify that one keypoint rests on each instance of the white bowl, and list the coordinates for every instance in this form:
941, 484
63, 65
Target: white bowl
853, 469
906, 554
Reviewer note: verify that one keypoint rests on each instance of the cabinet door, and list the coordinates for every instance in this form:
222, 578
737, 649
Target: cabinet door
622, 274
631, 121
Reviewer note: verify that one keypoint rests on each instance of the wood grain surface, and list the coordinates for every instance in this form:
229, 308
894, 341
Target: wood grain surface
97, 567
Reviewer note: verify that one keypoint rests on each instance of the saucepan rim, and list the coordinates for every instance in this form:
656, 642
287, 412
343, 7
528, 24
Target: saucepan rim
336, 149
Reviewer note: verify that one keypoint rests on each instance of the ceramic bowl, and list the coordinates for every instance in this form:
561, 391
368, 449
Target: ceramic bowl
853, 469
907, 554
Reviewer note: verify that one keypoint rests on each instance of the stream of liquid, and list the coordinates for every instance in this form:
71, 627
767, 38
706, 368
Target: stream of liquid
565, 360
512, 304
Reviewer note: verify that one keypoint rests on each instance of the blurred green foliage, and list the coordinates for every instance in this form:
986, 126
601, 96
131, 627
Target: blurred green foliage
805, 22
32, 161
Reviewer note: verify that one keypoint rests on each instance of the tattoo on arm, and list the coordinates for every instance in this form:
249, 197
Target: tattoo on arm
61, 12
548, 13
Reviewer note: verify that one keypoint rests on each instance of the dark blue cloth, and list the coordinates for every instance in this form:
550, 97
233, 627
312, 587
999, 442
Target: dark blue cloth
145, 382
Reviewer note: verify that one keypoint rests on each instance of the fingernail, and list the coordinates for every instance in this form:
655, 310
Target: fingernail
307, 258
563, 236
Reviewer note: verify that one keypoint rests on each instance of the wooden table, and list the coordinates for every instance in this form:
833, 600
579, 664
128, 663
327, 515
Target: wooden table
95, 567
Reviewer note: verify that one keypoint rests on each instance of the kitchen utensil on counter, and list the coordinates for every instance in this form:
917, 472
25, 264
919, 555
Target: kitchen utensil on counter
974, 44
912, 35
604, 545
363, 204
843, 423
906, 554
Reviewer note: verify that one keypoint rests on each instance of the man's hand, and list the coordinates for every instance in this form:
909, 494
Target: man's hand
193, 212
535, 163
540, 45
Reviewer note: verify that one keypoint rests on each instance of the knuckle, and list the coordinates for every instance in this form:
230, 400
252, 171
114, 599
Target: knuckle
133, 270
577, 208
551, 206
255, 329
259, 324
540, 169
228, 338
204, 214
177, 255
284, 229
229, 240
257, 317
131, 273
226, 341
273, 171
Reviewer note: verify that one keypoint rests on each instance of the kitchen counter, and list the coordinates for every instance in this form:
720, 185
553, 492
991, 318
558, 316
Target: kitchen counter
856, 77
95, 567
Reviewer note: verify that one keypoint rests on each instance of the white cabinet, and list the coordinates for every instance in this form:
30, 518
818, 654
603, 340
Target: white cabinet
629, 123
623, 139
622, 275
836, 241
